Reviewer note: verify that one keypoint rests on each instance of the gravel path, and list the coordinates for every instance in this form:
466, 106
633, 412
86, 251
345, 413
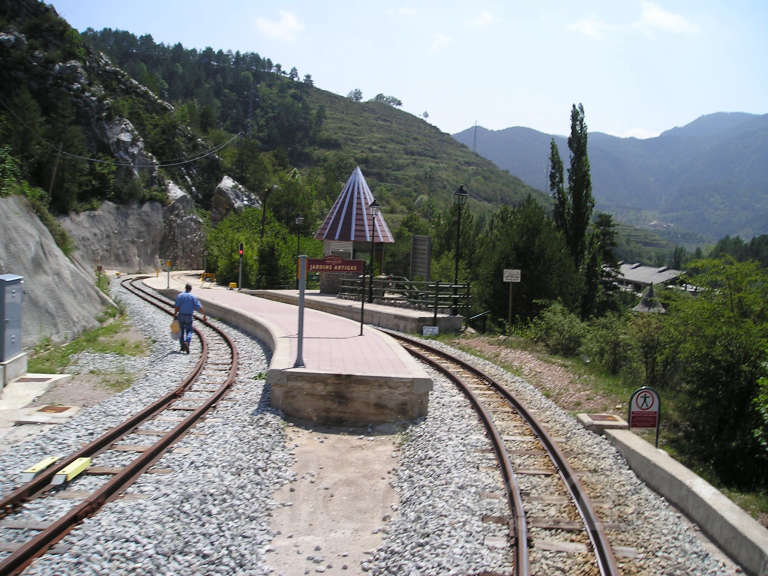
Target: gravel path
211, 515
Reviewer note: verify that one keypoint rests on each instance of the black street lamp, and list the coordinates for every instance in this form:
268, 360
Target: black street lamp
460, 198
374, 208
299, 222
267, 192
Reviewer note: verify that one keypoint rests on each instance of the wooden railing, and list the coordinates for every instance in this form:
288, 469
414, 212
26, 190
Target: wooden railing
438, 297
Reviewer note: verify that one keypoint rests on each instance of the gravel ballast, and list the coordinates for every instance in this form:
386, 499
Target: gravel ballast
210, 514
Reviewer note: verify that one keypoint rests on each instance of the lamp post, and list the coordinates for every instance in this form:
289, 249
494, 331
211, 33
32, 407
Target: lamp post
460, 198
374, 208
267, 192
299, 222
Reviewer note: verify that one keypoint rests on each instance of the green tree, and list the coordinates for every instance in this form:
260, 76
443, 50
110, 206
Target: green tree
722, 344
579, 187
525, 238
561, 208
9, 171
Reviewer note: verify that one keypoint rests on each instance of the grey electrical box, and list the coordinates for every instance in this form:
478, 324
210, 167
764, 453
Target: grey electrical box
11, 290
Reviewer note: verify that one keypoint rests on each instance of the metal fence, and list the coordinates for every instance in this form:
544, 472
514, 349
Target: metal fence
438, 297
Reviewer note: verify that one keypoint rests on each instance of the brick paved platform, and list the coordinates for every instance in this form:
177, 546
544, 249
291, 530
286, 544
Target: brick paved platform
348, 379
400, 319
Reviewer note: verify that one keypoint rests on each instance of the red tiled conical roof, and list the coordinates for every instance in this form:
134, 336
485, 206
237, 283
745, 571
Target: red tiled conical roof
350, 218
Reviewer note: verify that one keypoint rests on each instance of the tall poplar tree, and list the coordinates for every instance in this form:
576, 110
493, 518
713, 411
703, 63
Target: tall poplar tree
572, 212
562, 208
579, 187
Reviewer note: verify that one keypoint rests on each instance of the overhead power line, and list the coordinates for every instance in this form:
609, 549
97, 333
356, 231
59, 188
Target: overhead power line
161, 164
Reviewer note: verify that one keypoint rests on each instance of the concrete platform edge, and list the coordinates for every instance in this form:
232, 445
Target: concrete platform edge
281, 374
350, 309
738, 534
12, 369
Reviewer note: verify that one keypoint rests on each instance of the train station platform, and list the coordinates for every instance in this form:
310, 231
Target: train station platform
400, 319
347, 379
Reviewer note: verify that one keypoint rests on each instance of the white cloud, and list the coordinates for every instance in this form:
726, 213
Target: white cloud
591, 27
440, 41
285, 28
655, 18
407, 12
482, 20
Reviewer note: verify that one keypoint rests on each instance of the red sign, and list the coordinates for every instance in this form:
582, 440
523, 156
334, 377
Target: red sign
334, 264
644, 408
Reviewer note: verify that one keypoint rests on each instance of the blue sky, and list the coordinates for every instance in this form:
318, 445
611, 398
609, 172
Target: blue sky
639, 67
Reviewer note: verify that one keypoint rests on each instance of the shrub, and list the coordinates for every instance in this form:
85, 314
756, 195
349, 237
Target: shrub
609, 344
559, 330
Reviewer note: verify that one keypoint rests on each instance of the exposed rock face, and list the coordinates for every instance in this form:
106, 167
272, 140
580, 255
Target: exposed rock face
230, 195
139, 238
125, 238
60, 300
183, 239
128, 147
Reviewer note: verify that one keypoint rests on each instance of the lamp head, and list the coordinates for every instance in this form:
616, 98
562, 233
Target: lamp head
374, 207
461, 195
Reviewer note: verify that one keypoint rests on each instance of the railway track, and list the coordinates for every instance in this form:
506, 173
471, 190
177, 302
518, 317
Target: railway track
118, 457
549, 508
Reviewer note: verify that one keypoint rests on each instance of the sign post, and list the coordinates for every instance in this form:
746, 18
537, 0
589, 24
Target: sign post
337, 264
645, 410
168, 277
240, 268
511, 276
300, 338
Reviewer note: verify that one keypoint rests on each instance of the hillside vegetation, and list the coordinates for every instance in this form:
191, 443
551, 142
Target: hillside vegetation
77, 129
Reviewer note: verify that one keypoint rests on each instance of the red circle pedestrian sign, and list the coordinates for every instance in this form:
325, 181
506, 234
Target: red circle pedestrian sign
644, 408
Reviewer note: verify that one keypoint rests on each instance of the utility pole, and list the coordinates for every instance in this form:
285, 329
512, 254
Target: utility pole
55, 167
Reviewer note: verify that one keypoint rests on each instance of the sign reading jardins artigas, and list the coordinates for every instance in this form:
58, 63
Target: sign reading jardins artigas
334, 264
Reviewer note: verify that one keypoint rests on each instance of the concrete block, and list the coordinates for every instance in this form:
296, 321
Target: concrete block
733, 530
599, 422
13, 368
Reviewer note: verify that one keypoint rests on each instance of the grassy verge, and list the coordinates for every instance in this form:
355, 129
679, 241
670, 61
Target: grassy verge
50, 358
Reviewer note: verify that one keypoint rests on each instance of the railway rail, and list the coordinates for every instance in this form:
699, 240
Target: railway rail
163, 422
525, 452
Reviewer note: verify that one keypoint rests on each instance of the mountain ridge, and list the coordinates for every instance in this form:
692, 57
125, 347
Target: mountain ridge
708, 176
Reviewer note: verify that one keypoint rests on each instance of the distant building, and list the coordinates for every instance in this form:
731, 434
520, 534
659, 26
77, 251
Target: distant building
638, 277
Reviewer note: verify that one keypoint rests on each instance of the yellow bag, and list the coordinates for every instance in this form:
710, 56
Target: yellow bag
175, 329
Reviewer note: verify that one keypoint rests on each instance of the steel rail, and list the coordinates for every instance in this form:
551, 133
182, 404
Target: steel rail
522, 566
22, 493
606, 560
20, 558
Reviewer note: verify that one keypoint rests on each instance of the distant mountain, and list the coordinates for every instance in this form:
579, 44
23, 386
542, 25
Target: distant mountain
709, 177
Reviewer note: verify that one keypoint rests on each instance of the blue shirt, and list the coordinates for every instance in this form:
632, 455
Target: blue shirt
187, 303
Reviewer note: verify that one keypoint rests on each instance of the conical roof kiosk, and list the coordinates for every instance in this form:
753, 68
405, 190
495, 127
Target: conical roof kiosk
350, 229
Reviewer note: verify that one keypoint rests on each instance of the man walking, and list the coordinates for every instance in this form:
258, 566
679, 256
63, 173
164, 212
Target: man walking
186, 304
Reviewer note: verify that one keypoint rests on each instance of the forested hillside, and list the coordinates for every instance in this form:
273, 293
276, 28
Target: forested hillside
404, 158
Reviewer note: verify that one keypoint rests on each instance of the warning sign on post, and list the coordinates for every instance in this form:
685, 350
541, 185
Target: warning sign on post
644, 407
511, 275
